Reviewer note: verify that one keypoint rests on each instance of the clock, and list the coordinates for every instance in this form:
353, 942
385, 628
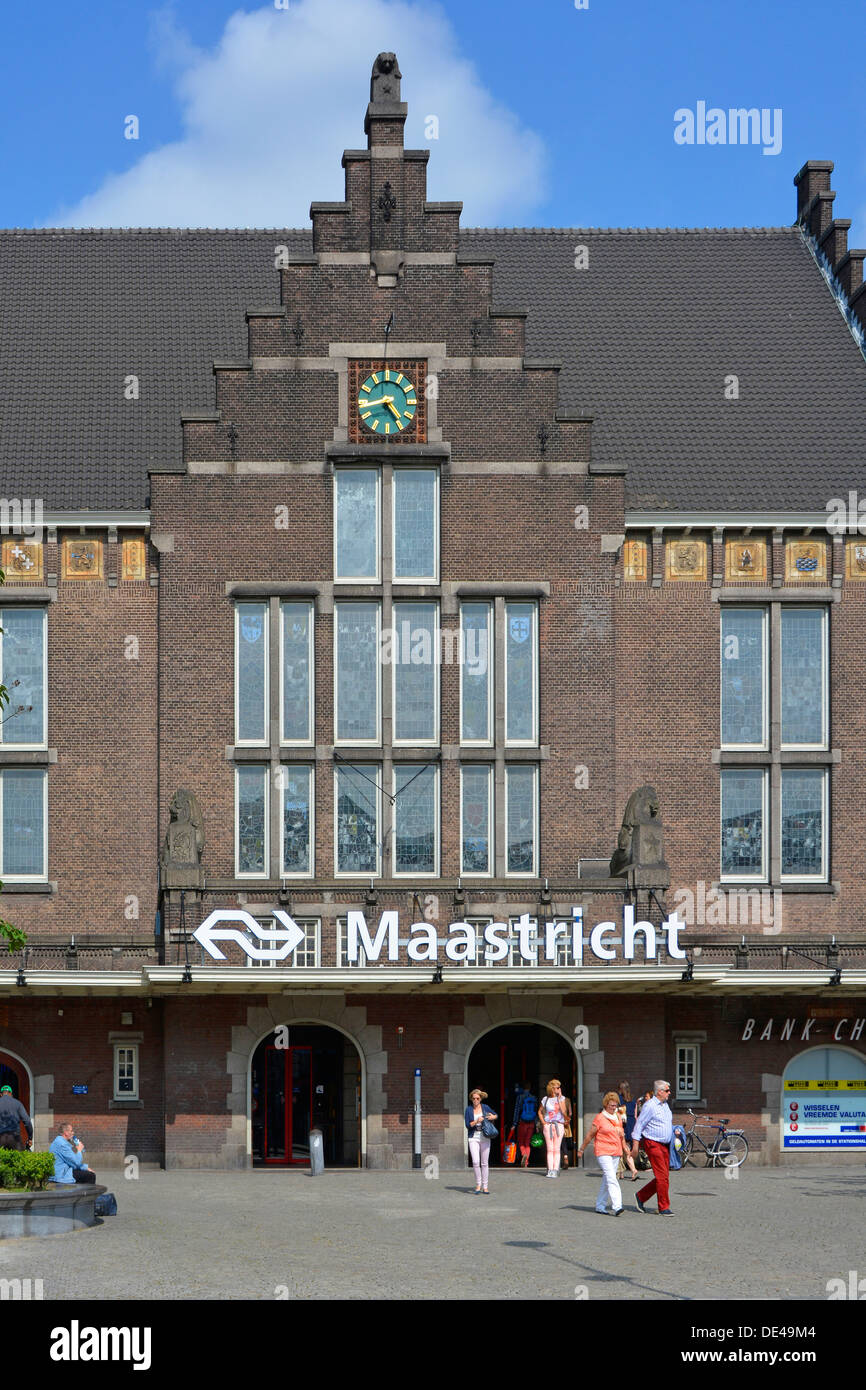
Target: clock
387, 402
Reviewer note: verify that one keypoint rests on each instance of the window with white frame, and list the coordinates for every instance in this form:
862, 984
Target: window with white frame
521, 673
23, 824
479, 924
476, 819
251, 673
476, 673
415, 507
415, 668
296, 823
790, 713
415, 814
357, 541
306, 955
296, 671
688, 1071
521, 819
126, 1071
23, 665
343, 947
357, 672
252, 847
357, 814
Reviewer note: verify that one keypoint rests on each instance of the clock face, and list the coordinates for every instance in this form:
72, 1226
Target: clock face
387, 402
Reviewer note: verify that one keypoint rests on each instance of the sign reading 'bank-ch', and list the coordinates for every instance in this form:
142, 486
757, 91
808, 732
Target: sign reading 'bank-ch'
518, 943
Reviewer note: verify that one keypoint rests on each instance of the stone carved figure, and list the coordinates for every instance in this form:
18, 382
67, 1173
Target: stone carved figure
640, 844
385, 80
184, 839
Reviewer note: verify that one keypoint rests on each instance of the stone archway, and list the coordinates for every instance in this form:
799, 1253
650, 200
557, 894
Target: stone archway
40, 1089
332, 1011
498, 1009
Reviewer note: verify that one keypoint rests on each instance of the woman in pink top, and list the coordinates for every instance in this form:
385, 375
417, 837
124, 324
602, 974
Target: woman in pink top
608, 1136
552, 1114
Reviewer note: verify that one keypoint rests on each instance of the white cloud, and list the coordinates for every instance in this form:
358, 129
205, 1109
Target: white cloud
268, 111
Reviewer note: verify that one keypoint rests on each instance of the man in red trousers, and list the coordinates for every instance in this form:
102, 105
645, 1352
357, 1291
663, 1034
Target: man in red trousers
654, 1129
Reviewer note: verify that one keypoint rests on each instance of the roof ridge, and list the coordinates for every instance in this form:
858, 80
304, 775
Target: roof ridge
630, 231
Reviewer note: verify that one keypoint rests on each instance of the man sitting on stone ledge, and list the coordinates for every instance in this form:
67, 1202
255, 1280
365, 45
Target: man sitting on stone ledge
69, 1166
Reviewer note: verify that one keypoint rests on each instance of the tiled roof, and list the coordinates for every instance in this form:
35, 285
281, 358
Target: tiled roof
647, 335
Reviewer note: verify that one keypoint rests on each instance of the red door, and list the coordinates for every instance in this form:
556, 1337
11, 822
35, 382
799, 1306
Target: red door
13, 1074
288, 1103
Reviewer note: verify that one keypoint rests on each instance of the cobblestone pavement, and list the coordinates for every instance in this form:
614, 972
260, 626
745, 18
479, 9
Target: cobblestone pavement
773, 1233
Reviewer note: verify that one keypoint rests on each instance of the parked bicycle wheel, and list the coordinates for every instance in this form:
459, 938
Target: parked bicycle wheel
732, 1150
688, 1148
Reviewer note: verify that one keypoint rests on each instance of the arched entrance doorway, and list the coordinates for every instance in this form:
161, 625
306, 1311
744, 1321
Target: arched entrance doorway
512, 1055
14, 1073
824, 1100
305, 1076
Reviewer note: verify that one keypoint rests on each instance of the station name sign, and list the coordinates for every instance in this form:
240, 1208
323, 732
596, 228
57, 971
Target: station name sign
518, 943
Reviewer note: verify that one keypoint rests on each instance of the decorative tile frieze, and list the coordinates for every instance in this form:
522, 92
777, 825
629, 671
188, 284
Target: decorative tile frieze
686, 559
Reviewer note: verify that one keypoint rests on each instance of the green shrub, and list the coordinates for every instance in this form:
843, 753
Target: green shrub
25, 1170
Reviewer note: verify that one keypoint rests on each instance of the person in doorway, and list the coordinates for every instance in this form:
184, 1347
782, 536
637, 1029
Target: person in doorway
68, 1151
479, 1143
627, 1110
653, 1130
608, 1137
524, 1121
551, 1113
12, 1117
567, 1133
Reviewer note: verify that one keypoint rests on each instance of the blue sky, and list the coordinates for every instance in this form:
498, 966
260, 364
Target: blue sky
548, 115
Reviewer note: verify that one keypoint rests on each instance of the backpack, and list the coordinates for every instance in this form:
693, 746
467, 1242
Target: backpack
106, 1205
528, 1109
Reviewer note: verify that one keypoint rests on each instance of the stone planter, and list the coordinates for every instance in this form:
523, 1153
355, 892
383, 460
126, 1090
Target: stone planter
48, 1213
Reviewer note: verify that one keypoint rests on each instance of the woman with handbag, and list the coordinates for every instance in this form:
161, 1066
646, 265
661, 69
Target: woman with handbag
551, 1113
481, 1129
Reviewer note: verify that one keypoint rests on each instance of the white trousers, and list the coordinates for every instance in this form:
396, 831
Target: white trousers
610, 1188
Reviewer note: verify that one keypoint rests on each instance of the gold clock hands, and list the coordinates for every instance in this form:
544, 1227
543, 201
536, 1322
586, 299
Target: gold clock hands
394, 411
383, 400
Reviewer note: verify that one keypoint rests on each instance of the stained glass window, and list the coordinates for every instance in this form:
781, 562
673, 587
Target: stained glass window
297, 818
357, 797
416, 819
476, 673
521, 817
803, 794
803, 683
356, 501
22, 660
476, 830
358, 668
251, 665
416, 672
743, 668
23, 845
520, 672
252, 820
743, 822
416, 523
297, 629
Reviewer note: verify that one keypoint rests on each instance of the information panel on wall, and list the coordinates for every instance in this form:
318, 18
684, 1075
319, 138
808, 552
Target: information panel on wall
828, 1114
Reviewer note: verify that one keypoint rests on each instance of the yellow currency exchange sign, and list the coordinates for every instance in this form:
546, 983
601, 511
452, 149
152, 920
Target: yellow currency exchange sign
825, 1085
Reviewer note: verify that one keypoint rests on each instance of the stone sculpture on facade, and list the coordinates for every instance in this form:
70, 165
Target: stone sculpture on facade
180, 860
640, 846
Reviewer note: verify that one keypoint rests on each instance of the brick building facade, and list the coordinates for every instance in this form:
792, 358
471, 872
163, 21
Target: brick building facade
413, 654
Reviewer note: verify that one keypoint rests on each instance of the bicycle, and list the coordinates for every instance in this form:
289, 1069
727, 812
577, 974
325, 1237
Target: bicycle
730, 1147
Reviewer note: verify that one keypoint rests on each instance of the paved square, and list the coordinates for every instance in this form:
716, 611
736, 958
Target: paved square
772, 1233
